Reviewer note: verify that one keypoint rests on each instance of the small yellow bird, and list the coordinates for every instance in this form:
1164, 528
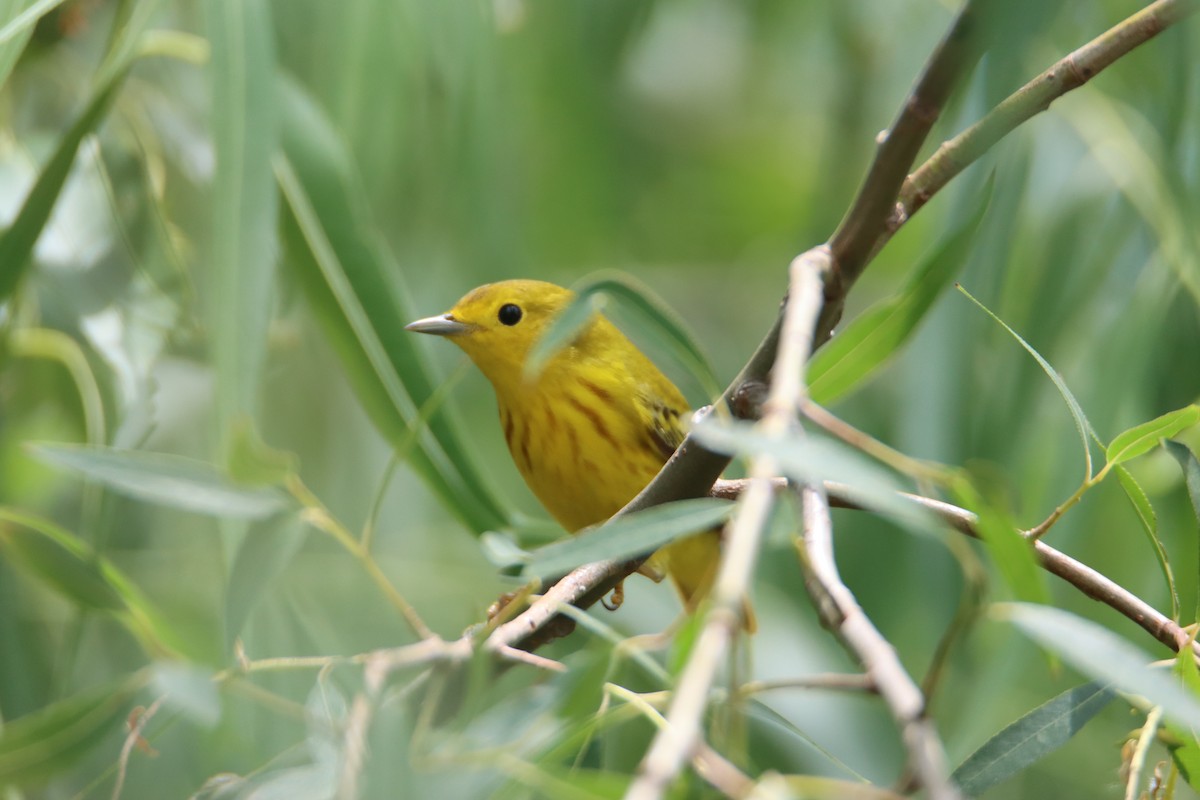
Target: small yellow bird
592, 428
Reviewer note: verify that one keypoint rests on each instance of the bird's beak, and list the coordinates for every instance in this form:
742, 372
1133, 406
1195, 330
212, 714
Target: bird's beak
442, 325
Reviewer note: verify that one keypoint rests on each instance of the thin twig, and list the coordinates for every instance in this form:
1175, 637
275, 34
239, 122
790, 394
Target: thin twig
838, 681
131, 741
678, 742
1067, 74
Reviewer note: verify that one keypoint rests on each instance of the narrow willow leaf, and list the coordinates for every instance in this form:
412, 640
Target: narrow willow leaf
812, 459
628, 536
244, 200
1103, 655
17, 19
70, 566
1034, 736
1191, 471
501, 551
1141, 439
562, 331
1187, 758
166, 479
878, 333
664, 324
1149, 520
1081, 422
37, 746
265, 552
1191, 478
1011, 552
68, 569
16, 244
339, 260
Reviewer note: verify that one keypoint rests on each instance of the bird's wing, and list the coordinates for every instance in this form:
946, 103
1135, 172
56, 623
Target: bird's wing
664, 420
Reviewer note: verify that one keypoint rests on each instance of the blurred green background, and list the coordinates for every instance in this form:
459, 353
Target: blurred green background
423, 148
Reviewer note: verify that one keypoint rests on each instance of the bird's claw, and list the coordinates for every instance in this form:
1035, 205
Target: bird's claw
618, 597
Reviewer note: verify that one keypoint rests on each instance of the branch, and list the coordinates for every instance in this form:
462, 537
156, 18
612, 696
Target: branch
858, 235
841, 612
676, 743
692, 470
1069, 73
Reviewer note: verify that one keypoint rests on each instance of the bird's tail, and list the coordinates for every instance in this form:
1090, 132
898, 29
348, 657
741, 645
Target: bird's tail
692, 565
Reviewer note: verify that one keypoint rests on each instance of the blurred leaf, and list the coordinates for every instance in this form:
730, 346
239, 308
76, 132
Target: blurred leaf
501, 551
1081, 422
189, 689
1146, 516
64, 563
1191, 477
628, 536
171, 480
1191, 471
244, 200
1011, 552
16, 243
812, 459
1187, 758
17, 21
590, 296
1105, 656
40, 745
263, 555
1034, 736
682, 643
72, 567
338, 259
874, 336
1142, 438
253, 462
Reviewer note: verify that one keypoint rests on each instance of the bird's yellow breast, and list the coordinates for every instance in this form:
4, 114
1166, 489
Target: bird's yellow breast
584, 449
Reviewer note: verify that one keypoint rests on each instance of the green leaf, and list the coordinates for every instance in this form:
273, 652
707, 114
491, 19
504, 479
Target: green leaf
189, 689
1191, 477
628, 536
244, 199
340, 262
812, 459
1103, 655
170, 480
63, 562
1034, 736
17, 20
1191, 471
665, 325
502, 551
37, 746
16, 244
1187, 758
253, 462
856, 352
1081, 422
70, 566
1012, 553
1146, 516
1140, 439
263, 555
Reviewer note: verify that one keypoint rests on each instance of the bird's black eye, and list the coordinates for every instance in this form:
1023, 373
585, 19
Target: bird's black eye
510, 314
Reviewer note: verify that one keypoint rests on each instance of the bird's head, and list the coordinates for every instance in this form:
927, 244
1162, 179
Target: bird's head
498, 324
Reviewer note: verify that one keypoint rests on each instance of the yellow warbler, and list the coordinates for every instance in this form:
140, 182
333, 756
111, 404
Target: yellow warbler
591, 429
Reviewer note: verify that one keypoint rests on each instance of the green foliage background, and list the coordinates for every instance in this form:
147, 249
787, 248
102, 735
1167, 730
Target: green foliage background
174, 298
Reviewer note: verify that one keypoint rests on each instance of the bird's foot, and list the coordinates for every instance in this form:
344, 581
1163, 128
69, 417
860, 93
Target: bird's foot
618, 597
